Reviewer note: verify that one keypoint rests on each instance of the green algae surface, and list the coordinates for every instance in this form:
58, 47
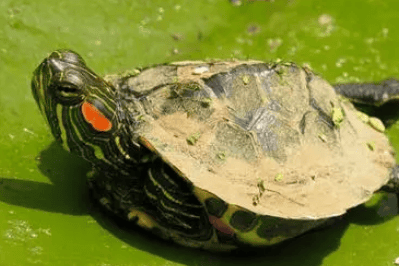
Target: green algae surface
46, 216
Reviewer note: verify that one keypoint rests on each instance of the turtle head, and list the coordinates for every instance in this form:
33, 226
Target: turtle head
78, 105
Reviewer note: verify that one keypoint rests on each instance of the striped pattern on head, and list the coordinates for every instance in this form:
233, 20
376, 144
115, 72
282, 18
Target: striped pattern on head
80, 109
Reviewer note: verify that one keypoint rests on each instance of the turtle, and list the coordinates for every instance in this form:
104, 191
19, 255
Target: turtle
219, 155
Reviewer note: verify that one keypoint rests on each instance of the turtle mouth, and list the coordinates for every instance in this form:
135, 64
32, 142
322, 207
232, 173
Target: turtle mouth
53, 90
39, 81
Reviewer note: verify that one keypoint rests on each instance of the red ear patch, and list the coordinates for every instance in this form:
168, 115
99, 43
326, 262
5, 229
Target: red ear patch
93, 116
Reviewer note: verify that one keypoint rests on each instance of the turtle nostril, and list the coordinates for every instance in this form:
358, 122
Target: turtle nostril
67, 56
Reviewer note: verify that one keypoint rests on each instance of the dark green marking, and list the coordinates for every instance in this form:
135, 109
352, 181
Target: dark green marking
243, 220
216, 207
272, 227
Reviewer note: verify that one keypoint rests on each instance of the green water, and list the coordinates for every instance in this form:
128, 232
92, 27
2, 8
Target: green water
45, 215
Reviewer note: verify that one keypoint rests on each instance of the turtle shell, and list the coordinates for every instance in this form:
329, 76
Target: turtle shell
270, 150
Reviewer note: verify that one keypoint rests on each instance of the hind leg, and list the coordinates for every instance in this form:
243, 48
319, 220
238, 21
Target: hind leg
370, 93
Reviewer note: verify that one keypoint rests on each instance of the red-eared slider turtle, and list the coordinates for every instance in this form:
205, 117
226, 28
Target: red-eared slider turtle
219, 155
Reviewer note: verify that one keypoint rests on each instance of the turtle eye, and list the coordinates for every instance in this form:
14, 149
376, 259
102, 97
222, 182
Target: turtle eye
68, 93
68, 90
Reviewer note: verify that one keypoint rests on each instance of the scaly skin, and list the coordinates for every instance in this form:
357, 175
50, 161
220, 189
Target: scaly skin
83, 115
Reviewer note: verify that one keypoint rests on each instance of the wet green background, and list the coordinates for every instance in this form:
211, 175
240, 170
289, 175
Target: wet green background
45, 214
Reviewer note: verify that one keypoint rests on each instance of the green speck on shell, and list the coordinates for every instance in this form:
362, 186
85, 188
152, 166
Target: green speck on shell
264, 99
363, 117
261, 186
140, 118
206, 102
221, 155
288, 64
371, 145
193, 138
376, 124
337, 115
255, 200
245, 79
279, 177
322, 137
281, 71
131, 72
193, 86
